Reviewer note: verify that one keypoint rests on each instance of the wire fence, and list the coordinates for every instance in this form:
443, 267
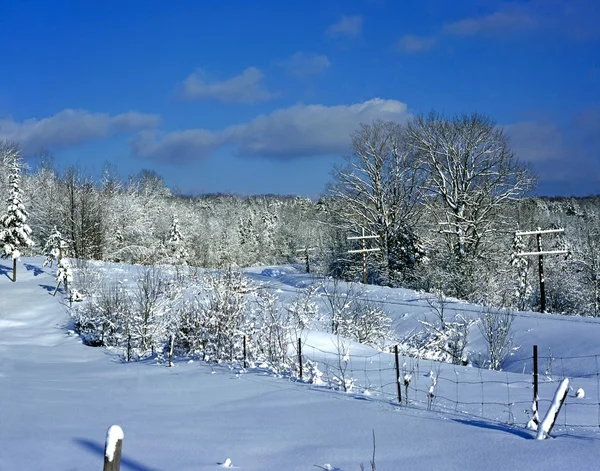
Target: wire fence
501, 397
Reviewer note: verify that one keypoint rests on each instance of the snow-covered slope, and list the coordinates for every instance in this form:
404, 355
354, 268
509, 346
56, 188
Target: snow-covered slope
58, 397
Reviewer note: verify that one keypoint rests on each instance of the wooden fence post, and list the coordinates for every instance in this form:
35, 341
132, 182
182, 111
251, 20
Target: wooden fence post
536, 418
398, 375
245, 354
113, 447
300, 357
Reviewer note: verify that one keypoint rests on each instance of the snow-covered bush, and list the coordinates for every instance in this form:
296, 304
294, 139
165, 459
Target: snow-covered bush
105, 319
213, 324
273, 332
441, 340
368, 323
356, 317
303, 309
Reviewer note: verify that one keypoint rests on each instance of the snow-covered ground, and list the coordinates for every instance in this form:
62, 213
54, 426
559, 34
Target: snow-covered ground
58, 398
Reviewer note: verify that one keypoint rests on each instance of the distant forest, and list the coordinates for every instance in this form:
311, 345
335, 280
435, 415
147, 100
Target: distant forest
433, 234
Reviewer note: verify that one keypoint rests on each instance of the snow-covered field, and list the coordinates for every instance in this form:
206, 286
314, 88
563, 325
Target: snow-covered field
58, 397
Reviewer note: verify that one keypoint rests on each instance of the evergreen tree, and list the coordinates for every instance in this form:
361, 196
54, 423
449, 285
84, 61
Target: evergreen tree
52, 247
178, 252
14, 232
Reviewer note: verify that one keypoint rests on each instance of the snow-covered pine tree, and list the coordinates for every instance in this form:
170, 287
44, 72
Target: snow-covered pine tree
14, 231
178, 252
64, 274
52, 247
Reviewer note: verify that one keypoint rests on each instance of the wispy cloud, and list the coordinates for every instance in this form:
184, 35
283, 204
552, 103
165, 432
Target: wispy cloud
565, 157
176, 147
508, 19
303, 64
246, 87
346, 26
573, 20
298, 131
71, 127
411, 44
534, 142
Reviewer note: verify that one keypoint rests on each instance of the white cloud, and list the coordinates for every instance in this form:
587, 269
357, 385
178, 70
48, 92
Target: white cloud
309, 130
510, 18
71, 127
302, 64
411, 44
176, 147
298, 131
243, 88
346, 26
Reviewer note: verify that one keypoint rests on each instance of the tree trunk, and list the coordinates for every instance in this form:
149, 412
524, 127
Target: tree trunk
14, 270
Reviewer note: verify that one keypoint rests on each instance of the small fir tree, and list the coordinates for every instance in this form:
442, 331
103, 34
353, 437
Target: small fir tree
53, 247
64, 274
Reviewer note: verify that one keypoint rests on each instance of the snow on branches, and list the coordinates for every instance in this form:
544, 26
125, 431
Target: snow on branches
14, 231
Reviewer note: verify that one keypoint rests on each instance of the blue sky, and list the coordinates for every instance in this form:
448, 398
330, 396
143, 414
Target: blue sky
261, 96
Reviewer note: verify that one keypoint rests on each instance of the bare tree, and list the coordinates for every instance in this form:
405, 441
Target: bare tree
378, 190
470, 174
495, 326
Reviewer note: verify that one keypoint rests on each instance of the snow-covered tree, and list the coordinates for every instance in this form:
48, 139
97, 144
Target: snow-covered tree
521, 265
178, 253
14, 231
53, 247
64, 274
470, 174
378, 191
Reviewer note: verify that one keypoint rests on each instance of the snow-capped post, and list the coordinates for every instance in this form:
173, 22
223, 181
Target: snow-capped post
536, 417
559, 398
113, 447
398, 375
171, 349
300, 358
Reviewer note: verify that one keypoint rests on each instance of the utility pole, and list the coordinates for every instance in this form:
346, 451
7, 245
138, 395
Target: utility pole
306, 249
540, 254
364, 250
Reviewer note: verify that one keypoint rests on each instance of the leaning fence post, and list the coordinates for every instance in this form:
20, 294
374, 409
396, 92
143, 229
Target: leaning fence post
112, 448
398, 375
535, 419
550, 418
300, 357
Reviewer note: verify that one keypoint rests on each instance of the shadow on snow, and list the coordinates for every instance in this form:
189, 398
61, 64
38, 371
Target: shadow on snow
500, 427
6, 271
126, 463
36, 270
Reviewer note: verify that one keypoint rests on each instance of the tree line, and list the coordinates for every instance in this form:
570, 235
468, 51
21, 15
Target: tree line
443, 196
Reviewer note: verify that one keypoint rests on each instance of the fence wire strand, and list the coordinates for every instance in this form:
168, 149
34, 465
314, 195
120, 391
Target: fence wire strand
501, 397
